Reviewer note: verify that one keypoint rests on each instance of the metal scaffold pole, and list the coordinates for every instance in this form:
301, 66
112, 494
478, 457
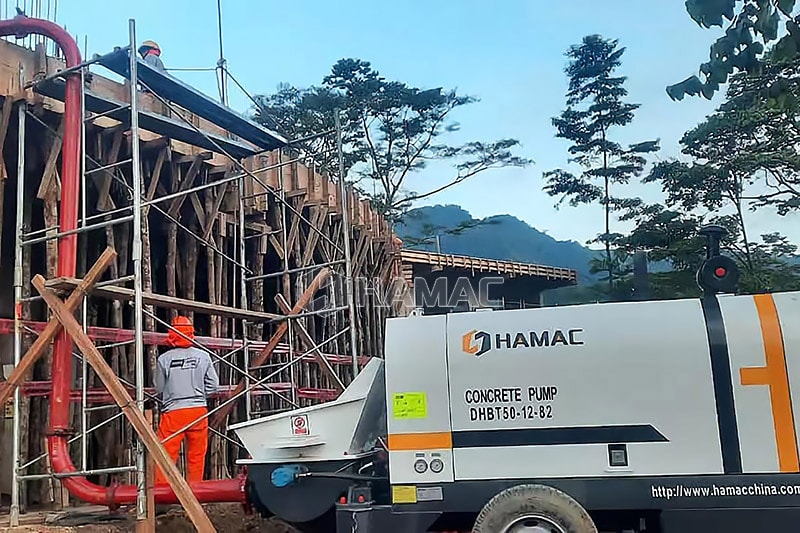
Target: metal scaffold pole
15, 481
136, 173
348, 264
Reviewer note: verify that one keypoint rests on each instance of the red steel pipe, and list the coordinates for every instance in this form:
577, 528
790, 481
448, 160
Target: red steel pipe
227, 490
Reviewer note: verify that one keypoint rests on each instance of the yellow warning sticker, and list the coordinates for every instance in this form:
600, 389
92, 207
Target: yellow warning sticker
404, 494
409, 405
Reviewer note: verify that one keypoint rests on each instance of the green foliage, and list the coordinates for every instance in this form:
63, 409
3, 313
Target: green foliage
390, 131
754, 26
595, 105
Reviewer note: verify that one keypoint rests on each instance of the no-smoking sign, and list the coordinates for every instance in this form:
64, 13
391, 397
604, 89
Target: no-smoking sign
300, 425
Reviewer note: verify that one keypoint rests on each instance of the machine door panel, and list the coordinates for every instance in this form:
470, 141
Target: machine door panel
544, 392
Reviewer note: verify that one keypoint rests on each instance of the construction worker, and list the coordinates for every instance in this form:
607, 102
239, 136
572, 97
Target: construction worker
185, 378
151, 54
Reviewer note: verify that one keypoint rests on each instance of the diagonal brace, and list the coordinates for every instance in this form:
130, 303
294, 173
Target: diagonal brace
128, 406
318, 355
36, 350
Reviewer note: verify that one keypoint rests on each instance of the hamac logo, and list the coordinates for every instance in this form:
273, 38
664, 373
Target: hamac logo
476, 343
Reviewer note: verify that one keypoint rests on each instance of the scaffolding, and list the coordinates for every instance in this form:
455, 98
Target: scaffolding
235, 222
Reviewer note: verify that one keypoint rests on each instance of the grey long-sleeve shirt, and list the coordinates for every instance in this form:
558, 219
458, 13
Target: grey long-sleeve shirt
155, 62
185, 377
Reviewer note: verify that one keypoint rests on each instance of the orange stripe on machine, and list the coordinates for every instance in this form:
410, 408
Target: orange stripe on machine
420, 441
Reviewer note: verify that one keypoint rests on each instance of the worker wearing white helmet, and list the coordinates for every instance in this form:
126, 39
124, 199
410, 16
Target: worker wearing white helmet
151, 53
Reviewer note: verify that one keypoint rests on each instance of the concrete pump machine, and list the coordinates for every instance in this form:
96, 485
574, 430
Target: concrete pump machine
655, 416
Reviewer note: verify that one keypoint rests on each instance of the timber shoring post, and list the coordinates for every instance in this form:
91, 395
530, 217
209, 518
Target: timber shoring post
54, 326
137, 419
280, 331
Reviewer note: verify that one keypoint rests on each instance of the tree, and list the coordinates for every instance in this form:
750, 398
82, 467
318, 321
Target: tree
753, 28
766, 107
594, 107
391, 130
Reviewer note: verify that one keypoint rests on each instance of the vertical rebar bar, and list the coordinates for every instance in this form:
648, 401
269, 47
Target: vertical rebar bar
348, 265
136, 256
19, 231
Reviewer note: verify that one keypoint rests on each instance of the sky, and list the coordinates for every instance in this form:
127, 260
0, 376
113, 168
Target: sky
510, 54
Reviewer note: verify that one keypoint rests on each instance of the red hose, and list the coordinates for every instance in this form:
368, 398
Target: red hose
228, 490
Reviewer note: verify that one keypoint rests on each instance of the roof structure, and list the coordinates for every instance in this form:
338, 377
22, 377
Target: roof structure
184, 95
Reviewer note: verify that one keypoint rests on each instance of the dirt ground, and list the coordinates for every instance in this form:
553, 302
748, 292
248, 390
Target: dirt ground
226, 518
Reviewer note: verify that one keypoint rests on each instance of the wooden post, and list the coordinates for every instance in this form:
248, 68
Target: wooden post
148, 525
184, 494
54, 326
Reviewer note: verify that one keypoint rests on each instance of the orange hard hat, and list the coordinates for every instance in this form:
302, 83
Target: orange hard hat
184, 328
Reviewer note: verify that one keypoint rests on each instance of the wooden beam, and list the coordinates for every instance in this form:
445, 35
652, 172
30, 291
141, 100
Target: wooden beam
44, 339
280, 331
155, 176
179, 485
310, 344
104, 201
186, 184
50, 168
214, 212
8, 107
163, 301
148, 524
193, 158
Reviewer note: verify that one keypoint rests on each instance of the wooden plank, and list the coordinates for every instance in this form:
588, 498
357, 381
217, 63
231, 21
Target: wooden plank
167, 302
104, 201
188, 181
53, 326
280, 331
50, 167
179, 485
8, 107
148, 525
214, 212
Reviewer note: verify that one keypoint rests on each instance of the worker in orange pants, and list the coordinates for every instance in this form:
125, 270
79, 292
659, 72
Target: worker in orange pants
185, 378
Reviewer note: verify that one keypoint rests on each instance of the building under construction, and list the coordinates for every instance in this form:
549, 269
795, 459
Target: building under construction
212, 216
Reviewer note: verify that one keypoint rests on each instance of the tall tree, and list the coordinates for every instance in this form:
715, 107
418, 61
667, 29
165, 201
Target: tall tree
753, 27
595, 105
391, 130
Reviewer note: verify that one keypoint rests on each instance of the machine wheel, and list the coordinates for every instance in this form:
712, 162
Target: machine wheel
533, 509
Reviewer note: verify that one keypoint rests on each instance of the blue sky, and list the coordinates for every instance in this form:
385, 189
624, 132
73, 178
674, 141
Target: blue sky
508, 53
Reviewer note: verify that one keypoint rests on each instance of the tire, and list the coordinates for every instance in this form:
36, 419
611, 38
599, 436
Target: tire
548, 503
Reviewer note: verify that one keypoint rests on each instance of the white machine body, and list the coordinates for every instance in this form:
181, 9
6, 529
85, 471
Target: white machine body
544, 393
